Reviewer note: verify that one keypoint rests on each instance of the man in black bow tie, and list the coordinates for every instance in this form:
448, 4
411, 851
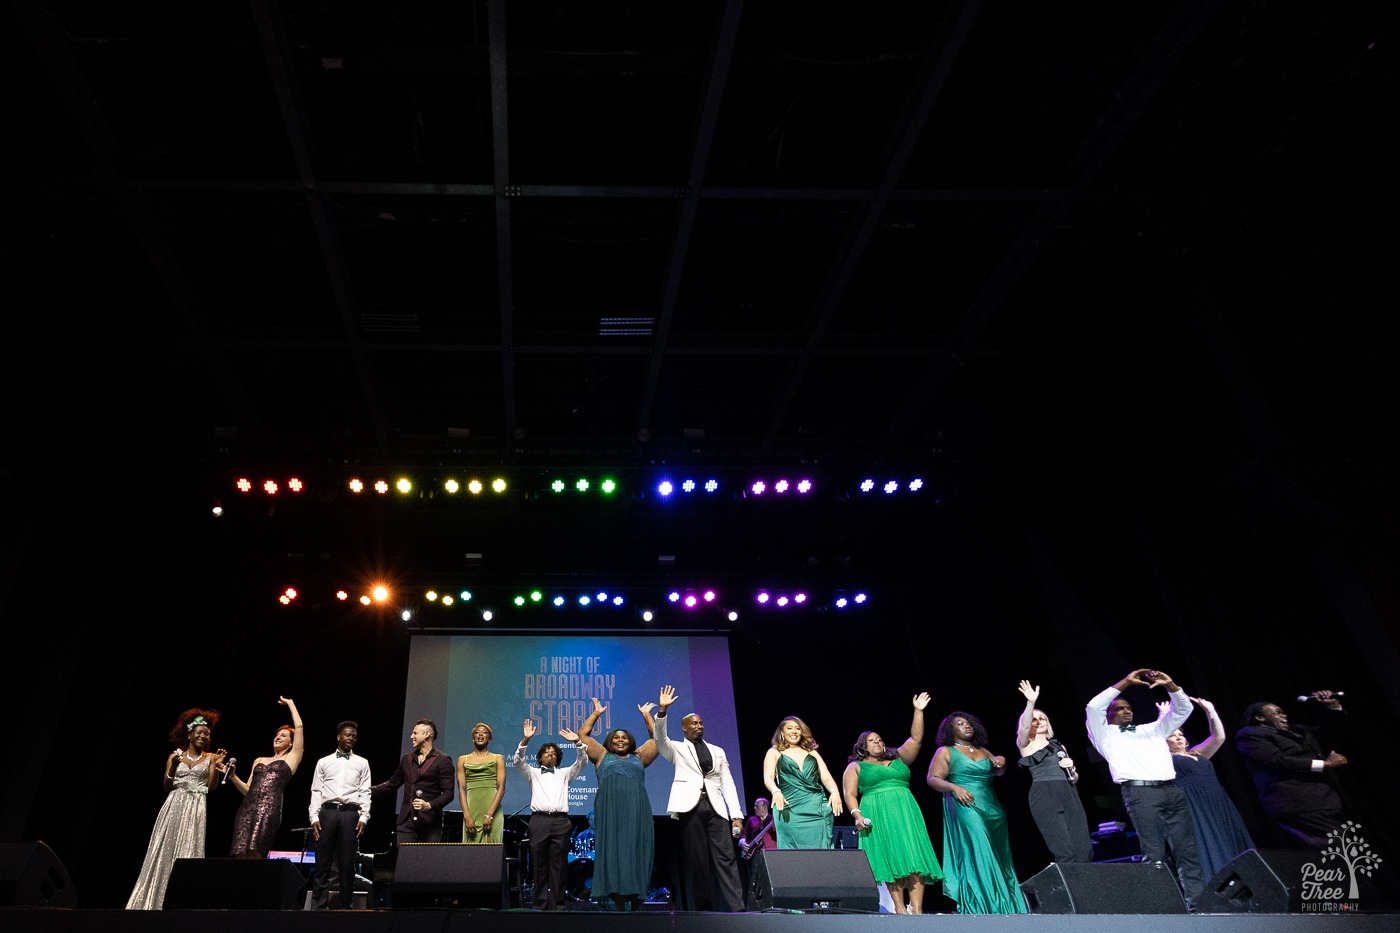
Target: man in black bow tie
1141, 765
550, 828
339, 812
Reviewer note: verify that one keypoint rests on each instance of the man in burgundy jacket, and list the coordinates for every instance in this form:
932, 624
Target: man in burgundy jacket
428, 781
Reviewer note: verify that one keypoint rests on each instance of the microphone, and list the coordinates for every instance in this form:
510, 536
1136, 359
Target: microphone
1336, 695
1073, 772
228, 769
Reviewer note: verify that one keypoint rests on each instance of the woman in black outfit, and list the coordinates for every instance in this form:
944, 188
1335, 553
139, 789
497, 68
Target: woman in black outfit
1054, 801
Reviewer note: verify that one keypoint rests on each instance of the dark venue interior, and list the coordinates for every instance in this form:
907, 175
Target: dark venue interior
1116, 281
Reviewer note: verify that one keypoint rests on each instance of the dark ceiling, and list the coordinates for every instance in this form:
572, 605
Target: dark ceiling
962, 238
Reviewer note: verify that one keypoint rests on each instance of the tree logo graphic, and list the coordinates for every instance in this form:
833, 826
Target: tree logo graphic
1335, 883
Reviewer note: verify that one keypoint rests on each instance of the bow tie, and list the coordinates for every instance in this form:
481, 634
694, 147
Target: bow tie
343, 754
546, 769
1127, 728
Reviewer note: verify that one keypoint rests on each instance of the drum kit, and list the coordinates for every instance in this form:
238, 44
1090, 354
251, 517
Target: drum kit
578, 873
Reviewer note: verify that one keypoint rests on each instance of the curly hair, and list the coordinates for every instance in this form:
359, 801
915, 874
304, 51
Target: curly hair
806, 742
945, 729
558, 755
631, 740
180, 734
860, 753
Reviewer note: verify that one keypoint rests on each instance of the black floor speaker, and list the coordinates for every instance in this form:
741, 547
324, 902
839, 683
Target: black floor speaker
234, 884
32, 876
449, 874
813, 879
1103, 888
1266, 881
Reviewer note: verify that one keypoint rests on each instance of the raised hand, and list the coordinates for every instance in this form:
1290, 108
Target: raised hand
529, 729
1204, 704
1159, 679
668, 696
598, 708
1162, 707
1030, 693
1140, 676
921, 701
645, 708
567, 734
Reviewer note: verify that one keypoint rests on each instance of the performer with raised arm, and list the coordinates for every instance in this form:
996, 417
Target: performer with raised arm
259, 816
1220, 831
340, 798
977, 870
890, 827
1054, 802
625, 840
796, 775
1291, 772
1141, 765
706, 801
425, 774
550, 829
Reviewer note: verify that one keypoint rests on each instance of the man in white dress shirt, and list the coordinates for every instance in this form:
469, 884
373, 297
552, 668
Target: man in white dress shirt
550, 829
339, 812
1141, 765
706, 801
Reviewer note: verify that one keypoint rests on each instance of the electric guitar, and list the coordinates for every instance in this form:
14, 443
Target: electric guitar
748, 847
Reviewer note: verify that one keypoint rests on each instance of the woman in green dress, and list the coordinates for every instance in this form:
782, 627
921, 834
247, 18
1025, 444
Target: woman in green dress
890, 826
624, 835
481, 782
796, 776
977, 868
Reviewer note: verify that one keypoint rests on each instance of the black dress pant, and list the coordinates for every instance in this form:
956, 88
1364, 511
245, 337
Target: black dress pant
336, 848
1059, 815
711, 864
549, 854
1162, 817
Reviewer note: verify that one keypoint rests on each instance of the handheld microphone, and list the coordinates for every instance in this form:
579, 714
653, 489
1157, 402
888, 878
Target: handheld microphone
228, 769
1336, 695
1073, 772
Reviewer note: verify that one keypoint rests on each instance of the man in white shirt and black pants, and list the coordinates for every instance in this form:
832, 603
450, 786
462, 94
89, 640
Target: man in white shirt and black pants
550, 828
1141, 764
339, 812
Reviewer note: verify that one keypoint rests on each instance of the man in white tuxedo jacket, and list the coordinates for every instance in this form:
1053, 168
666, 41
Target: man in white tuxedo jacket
705, 800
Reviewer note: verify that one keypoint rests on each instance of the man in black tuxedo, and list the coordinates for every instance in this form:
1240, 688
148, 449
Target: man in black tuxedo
1291, 772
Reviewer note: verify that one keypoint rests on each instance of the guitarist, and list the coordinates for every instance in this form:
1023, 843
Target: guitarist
759, 832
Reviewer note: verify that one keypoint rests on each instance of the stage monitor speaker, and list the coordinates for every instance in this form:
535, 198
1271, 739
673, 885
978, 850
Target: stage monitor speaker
234, 884
1103, 888
450, 873
32, 876
1266, 881
813, 880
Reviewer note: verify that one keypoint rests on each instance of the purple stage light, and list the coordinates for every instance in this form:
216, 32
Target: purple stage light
674, 597
799, 598
709, 596
804, 487
841, 602
866, 485
664, 488
891, 487
782, 600
780, 486
762, 598
690, 602
860, 598
757, 488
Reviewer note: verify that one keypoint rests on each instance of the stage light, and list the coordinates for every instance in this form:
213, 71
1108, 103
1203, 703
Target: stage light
406, 615
520, 600
799, 598
244, 484
866, 485
536, 596
487, 615
709, 596
664, 488
558, 485
673, 596
356, 486
711, 485
380, 593
584, 600
841, 602
581, 485
690, 602
733, 616
290, 593
602, 597
284, 600
498, 484
404, 485
782, 600
474, 487
558, 600
617, 600
608, 487
781, 486
270, 487
647, 616
757, 488
430, 596
364, 600
466, 596
381, 487
451, 486
217, 509
688, 486
804, 487
916, 484
762, 598
295, 485
860, 598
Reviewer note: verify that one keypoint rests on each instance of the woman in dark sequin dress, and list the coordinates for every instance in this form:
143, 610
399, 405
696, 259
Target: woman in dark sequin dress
260, 814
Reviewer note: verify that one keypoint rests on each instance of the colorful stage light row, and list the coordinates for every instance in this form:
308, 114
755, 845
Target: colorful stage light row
688, 599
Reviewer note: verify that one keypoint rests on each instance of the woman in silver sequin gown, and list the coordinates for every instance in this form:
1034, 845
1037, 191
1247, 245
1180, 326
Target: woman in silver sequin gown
190, 771
260, 814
